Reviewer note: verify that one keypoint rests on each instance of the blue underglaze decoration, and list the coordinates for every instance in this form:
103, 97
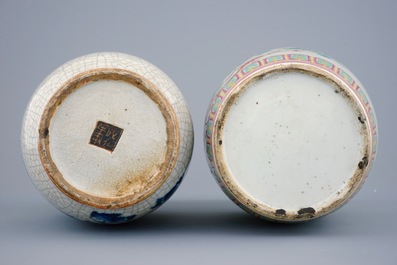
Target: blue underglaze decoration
110, 218
165, 198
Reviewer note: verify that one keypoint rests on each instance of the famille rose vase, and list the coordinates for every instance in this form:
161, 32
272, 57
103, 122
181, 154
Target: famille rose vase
291, 135
107, 138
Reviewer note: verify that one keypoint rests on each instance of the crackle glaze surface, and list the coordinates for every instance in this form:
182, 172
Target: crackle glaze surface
291, 135
135, 147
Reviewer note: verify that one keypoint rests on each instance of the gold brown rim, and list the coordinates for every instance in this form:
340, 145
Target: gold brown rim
172, 131
257, 206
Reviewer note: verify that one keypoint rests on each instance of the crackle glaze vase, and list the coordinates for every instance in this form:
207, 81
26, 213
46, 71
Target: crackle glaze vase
107, 138
291, 135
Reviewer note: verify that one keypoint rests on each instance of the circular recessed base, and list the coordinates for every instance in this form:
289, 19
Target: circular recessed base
108, 138
291, 144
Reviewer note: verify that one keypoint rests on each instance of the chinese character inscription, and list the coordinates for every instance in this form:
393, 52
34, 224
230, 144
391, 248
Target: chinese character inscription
106, 136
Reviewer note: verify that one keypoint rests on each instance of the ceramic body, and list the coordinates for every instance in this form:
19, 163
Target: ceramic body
107, 138
291, 135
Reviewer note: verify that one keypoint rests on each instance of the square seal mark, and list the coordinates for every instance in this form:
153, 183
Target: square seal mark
106, 136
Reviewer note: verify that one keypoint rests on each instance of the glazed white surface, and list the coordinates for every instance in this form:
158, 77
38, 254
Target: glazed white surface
291, 142
95, 170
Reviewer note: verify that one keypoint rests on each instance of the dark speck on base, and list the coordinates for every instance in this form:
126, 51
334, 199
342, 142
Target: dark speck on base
363, 163
308, 210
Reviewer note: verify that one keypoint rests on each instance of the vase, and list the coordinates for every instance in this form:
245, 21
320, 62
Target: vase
291, 135
107, 138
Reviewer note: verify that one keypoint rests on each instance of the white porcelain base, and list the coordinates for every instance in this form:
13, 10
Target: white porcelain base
107, 138
291, 135
291, 142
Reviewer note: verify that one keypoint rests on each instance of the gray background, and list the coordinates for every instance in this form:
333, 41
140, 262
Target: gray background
197, 43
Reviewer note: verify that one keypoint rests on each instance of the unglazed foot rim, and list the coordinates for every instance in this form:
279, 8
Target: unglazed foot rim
132, 188
233, 174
